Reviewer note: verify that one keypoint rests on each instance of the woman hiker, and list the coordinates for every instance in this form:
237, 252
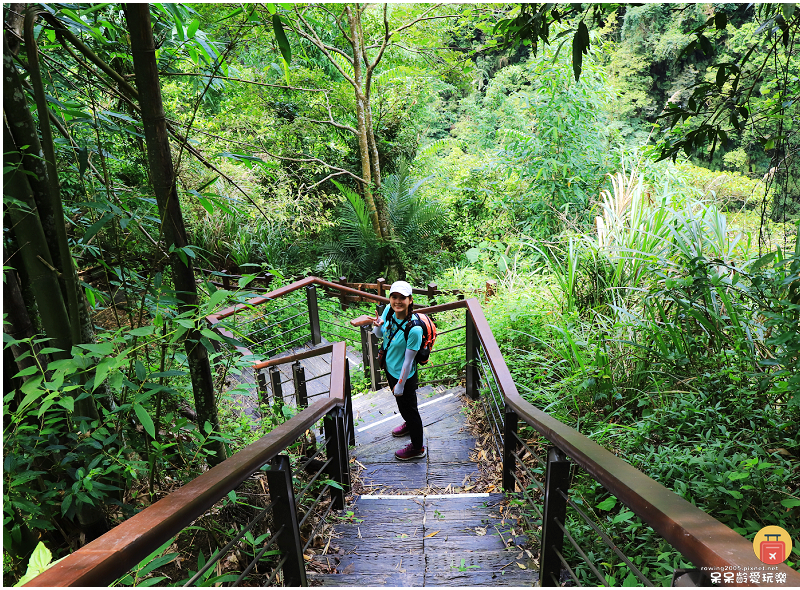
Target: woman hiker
401, 370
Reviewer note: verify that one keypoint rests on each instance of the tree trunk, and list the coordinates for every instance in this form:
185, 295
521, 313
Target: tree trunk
18, 324
163, 178
59, 247
14, 20
361, 117
34, 251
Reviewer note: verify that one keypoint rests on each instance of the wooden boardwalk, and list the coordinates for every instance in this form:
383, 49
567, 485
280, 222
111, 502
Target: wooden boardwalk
418, 526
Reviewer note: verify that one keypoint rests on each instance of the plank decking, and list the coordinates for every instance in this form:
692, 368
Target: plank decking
412, 529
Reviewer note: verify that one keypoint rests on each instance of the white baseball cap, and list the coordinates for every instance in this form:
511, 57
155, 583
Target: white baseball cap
401, 287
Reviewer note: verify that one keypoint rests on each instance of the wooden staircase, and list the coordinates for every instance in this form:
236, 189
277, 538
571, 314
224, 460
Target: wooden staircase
418, 526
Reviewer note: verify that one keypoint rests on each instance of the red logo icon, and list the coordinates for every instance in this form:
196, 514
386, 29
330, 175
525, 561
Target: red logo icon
772, 545
773, 552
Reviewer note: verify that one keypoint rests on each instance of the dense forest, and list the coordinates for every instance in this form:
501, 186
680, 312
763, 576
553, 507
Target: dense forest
628, 174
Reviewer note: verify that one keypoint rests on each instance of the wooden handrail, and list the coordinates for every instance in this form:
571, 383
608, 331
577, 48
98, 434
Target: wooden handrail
105, 559
280, 292
698, 536
298, 356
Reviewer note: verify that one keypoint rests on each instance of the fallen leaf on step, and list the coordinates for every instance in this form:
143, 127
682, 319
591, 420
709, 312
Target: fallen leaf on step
522, 567
426, 536
349, 569
480, 531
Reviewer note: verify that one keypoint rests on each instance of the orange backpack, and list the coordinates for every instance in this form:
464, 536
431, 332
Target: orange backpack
428, 336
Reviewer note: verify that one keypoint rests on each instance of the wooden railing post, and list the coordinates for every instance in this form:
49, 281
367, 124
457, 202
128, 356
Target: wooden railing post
263, 394
342, 296
509, 447
431, 293
275, 382
381, 286
472, 377
284, 514
555, 508
374, 369
313, 314
348, 406
334, 453
226, 282
300, 391
344, 450
365, 331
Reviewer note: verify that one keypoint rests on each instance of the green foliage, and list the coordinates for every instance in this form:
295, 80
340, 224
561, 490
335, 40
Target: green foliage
40, 560
354, 248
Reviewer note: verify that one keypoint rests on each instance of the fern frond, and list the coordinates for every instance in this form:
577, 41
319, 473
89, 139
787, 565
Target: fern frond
344, 63
434, 148
397, 73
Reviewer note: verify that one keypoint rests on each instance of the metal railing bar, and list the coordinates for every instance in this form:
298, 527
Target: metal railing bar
313, 479
287, 343
439, 365
263, 550
450, 330
499, 393
263, 315
486, 374
314, 530
326, 392
607, 540
434, 381
582, 554
492, 423
489, 410
276, 570
566, 565
291, 317
498, 445
523, 491
531, 527
303, 465
340, 325
530, 473
527, 448
483, 396
224, 551
278, 335
317, 500
318, 376
345, 336
435, 350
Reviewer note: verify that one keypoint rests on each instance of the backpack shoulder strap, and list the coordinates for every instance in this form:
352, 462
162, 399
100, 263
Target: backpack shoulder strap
415, 321
389, 319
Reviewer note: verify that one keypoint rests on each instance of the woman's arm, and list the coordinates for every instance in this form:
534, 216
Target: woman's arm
408, 362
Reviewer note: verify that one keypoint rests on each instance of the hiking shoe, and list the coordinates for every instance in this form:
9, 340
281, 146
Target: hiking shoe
401, 430
409, 452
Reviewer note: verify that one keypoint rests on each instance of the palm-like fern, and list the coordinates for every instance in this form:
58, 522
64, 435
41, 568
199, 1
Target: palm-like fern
414, 219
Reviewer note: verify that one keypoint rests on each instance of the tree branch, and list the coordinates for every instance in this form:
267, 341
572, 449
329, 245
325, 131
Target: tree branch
253, 82
326, 49
334, 124
316, 184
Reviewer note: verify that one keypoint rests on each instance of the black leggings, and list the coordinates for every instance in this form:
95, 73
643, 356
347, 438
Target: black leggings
407, 404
